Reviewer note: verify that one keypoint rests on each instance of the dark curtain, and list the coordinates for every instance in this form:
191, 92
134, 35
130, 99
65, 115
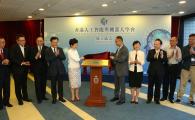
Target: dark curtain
177, 29
30, 28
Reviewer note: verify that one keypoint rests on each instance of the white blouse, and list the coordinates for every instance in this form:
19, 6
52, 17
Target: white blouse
73, 58
140, 58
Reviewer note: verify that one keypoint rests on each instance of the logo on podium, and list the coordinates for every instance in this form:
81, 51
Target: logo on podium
96, 79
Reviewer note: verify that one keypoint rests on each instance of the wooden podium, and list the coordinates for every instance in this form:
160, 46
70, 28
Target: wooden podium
95, 99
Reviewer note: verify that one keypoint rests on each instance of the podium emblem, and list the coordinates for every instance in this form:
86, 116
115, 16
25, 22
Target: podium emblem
96, 79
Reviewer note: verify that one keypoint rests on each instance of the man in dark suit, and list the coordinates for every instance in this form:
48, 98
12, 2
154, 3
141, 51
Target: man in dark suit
120, 62
4, 75
157, 58
39, 69
20, 59
56, 70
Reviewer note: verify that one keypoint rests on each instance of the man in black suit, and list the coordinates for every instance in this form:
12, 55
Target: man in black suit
56, 70
120, 63
39, 69
4, 75
157, 58
20, 59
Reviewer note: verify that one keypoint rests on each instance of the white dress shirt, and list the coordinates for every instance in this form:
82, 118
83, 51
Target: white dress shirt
140, 58
174, 59
22, 49
73, 58
53, 49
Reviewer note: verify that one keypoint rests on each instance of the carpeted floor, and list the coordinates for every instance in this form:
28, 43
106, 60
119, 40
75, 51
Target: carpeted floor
77, 110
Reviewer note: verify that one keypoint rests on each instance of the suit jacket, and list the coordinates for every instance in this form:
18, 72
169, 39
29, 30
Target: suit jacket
186, 58
38, 66
17, 58
5, 68
55, 63
120, 62
157, 65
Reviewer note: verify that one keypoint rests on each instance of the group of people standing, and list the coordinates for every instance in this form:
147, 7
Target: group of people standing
47, 63
164, 69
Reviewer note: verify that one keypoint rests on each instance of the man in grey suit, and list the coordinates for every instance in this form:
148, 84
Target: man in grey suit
56, 70
120, 63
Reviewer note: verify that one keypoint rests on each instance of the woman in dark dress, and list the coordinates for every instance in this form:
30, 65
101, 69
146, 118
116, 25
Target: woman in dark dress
136, 61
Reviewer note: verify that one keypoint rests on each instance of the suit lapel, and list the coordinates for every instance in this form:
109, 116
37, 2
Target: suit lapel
21, 54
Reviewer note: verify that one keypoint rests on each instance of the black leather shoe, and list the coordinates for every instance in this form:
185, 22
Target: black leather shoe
171, 101
148, 101
178, 101
62, 100
120, 102
20, 102
27, 100
8, 105
136, 102
54, 101
114, 99
132, 102
163, 99
39, 101
44, 98
157, 102
192, 102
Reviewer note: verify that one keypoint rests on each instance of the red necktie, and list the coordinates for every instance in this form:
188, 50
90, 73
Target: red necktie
2, 54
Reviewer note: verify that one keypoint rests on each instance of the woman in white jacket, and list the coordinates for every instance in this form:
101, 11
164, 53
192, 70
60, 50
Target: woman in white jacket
74, 70
136, 62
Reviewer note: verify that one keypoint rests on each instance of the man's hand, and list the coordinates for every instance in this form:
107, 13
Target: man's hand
161, 54
5, 62
192, 51
111, 57
38, 55
82, 58
27, 63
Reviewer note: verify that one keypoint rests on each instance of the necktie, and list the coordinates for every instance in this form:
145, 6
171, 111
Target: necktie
135, 66
2, 55
40, 48
117, 51
54, 50
156, 54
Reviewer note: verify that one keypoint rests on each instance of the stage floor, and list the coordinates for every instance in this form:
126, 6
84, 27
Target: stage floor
77, 110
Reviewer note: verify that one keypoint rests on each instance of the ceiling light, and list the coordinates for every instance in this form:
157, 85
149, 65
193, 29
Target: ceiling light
135, 11
181, 12
29, 17
41, 9
104, 5
182, 2
77, 14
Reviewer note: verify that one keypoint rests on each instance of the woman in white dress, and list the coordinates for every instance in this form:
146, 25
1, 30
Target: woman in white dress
74, 70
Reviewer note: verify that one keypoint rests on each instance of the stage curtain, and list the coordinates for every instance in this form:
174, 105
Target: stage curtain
30, 28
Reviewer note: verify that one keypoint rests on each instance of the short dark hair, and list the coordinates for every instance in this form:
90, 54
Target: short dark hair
73, 41
192, 35
54, 38
19, 35
136, 42
2, 37
119, 37
39, 37
159, 41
